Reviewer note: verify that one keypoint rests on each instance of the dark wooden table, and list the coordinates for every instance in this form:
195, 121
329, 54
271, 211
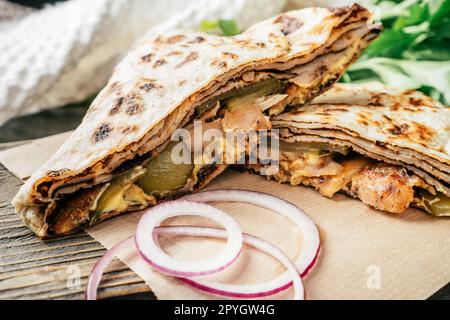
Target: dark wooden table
34, 269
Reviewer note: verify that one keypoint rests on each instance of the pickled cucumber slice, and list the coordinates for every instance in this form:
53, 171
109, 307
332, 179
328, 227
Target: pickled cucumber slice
304, 147
135, 187
163, 175
237, 97
438, 205
246, 95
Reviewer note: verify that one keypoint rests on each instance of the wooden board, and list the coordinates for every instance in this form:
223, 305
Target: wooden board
34, 269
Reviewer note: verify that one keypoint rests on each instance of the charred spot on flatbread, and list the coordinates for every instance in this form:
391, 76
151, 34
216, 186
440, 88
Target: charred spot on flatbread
129, 129
160, 62
197, 39
114, 85
219, 64
415, 131
416, 102
116, 106
175, 39
339, 11
159, 39
147, 58
421, 132
134, 105
148, 85
230, 55
134, 109
102, 132
190, 57
399, 129
175, 53
222, 65
363, 118
290, 24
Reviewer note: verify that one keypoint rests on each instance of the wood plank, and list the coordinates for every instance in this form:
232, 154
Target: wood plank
35, 269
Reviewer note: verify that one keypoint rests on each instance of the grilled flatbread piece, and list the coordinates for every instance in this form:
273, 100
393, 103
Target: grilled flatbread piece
118, 159
387, 147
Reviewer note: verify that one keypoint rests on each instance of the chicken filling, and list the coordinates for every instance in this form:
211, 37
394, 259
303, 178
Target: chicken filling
331, 169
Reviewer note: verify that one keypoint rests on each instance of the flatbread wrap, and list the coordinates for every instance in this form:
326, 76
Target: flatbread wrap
387, 147
118, 159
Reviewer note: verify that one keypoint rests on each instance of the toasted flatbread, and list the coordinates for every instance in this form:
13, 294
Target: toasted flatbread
394, 136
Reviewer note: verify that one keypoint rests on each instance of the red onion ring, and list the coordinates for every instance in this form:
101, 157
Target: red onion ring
158, 259
148, 246
96, 274
256, 242
260, 244
305, 261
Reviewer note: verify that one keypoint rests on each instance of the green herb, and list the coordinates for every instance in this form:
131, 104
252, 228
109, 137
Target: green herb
431, 77
221, 26
208, 25
413, 52
229, 27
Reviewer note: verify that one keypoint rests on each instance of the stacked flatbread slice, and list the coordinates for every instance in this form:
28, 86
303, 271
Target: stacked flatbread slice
387, 147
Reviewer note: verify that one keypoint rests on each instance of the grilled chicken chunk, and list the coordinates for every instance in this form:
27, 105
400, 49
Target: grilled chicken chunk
382, 186
385, 187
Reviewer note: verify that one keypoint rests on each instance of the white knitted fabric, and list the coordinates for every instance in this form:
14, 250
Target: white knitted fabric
66, 52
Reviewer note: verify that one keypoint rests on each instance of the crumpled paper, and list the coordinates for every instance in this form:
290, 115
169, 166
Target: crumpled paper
66, 52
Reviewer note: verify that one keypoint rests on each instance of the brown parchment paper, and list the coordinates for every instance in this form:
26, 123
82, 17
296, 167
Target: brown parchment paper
365, 254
